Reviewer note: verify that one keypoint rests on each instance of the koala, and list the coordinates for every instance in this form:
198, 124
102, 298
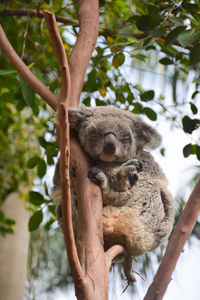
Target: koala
137, 207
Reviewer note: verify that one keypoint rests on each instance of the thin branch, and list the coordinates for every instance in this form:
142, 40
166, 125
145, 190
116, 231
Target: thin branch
115, 250
175, 246
64, 145
35, 13
23, 70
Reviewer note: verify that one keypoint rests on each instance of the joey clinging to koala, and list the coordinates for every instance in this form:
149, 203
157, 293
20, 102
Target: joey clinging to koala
138, 209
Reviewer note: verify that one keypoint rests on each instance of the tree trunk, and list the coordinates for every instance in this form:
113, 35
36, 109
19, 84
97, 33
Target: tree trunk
14, 250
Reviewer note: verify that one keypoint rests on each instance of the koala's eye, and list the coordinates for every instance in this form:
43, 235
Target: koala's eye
93, 135
126, 138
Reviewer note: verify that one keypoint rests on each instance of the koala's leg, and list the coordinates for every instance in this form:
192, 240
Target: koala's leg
127, 175
98, 177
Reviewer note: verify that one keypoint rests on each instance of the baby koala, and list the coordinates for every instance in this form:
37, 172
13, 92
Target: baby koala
137, 207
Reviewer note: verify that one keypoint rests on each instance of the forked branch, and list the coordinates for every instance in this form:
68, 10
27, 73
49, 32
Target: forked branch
64, 142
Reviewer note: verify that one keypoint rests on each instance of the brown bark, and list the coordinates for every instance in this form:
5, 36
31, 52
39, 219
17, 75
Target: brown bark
175, 246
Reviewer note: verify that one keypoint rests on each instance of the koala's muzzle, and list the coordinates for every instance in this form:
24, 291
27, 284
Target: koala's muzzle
109, 143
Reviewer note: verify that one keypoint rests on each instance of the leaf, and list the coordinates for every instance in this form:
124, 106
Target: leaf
42, 168
52, 209
147, 96
43, 142
198, 152
35, 220
193, 108
36, 198
159, 32
86, 101
190, 125
7, 72
195, 93
188, 37
102, 91
118, 60
187, 150
173, 35
166, 61
146, 23
27, 92
33, 161
150, 113
194, 54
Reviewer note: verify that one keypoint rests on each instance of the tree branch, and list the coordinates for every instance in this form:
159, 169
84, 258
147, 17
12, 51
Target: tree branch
64, 99
82, 51
115, 250
175, 246
35, 13
23, 70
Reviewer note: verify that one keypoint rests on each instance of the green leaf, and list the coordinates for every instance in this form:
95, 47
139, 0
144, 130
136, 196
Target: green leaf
193, 108
150, 113
35, 220
87, 101
52, 209
190, 125
43, 142
118, 60
7, 72
173, 35
195, 93
147, 96
159, 32
198, 152
194, 54
166, 61
36, 198
146, 23
42, 168
187, 150
188, 37
33, 161
27, 92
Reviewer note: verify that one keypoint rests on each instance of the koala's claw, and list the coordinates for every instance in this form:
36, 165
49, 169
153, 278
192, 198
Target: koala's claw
134, 162
132, 177
98, 177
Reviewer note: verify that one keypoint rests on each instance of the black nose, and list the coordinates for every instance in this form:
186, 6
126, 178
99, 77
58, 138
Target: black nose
109, 143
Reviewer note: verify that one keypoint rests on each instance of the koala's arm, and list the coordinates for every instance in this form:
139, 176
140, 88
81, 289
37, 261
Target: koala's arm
151, 168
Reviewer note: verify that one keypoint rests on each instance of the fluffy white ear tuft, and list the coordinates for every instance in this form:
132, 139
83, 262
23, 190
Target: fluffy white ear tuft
77, 116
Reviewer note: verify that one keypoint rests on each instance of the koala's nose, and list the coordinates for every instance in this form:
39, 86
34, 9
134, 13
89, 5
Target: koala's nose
109, 143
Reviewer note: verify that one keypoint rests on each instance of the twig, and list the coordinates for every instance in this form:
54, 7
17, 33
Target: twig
23, 70
64, 99
175, 246
115, 250
34, 13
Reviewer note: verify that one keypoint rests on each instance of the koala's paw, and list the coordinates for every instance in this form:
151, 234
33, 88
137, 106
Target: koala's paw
129, 172
134, 162
97, 176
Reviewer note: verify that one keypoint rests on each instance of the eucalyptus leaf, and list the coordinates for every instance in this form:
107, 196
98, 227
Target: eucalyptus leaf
35, 220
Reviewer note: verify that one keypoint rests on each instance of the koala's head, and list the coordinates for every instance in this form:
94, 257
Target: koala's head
111, 134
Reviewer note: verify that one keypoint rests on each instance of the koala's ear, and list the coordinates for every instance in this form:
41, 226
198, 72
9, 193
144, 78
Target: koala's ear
147, 136
77, 116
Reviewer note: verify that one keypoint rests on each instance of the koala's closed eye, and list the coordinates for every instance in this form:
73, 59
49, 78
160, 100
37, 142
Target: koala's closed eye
126, 138
93, 135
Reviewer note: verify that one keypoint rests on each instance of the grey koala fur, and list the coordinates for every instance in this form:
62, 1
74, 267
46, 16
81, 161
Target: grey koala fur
138, 208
